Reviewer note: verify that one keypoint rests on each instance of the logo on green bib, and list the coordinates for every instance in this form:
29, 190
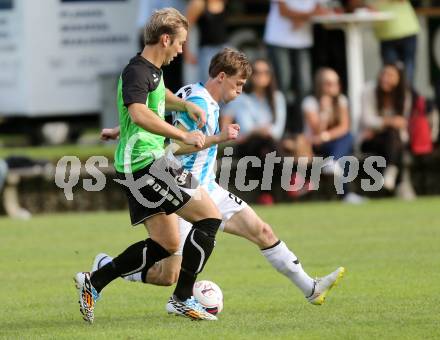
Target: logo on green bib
161, 109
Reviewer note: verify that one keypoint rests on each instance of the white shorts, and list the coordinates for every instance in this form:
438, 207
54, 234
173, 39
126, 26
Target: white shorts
227, 203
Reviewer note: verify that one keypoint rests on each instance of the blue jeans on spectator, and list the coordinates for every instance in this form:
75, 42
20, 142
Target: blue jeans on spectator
340, 147
403, 50
292, 70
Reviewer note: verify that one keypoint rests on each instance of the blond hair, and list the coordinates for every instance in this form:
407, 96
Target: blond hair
164, 21
231, 62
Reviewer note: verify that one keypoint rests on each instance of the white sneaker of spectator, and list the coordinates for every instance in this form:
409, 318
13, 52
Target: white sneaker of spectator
332, 167
390, 177
353, 198
405, 191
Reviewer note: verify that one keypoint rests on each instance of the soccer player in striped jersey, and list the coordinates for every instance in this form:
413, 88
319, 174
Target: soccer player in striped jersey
238, 218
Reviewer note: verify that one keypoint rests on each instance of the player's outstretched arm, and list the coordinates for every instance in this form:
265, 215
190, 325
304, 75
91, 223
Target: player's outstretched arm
149, 121
228, 133
110, 134
174, 103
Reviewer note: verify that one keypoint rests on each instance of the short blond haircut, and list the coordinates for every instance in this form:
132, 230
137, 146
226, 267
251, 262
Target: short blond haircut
231, 62
164, 21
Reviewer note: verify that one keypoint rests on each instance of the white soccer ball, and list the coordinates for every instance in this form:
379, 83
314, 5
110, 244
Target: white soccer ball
209, 295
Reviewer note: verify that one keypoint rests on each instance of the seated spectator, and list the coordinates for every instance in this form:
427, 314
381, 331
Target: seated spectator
261, 114
327, 124
386, 107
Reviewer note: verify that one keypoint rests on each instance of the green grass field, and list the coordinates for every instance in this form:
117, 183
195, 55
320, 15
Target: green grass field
391, 250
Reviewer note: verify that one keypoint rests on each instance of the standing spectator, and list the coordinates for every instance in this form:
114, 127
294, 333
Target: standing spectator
210, 17
289, 37
386, 107
327, 124
398, 36
331, 50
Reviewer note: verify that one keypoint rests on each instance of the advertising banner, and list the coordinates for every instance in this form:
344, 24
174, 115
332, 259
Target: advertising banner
53, 52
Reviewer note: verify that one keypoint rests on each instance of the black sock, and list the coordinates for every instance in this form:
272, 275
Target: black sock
137, 257
155, 253
103, 276
184, 285
193, 260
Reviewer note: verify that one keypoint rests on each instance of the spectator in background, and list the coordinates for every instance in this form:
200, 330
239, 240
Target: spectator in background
398, 36
327, 124
210, 17
261, 114
386, 107
288, 35
331, 51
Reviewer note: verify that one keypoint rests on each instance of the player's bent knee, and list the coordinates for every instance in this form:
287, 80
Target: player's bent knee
265, 234
267, 230
165, 281
170, 279
208, 225
172, 247
169, 273
160, 275
215, 213
209, 211
209, 208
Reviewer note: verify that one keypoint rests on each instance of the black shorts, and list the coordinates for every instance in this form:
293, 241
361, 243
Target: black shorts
165, 189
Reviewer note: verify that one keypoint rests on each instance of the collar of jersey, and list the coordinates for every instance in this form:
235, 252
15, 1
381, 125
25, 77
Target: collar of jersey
209, 94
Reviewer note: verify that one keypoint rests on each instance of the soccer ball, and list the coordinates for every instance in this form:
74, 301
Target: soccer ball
209, 295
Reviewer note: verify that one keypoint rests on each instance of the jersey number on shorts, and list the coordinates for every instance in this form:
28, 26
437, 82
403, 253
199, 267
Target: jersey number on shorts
235, 198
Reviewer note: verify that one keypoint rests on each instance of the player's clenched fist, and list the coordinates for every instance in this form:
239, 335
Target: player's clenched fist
196, 138
110, 134
230, 132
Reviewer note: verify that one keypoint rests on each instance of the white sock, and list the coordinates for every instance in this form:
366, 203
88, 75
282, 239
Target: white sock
283, 260
104, 261
136, 277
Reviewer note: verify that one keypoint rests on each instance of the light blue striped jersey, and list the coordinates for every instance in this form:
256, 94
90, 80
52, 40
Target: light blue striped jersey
201, 164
